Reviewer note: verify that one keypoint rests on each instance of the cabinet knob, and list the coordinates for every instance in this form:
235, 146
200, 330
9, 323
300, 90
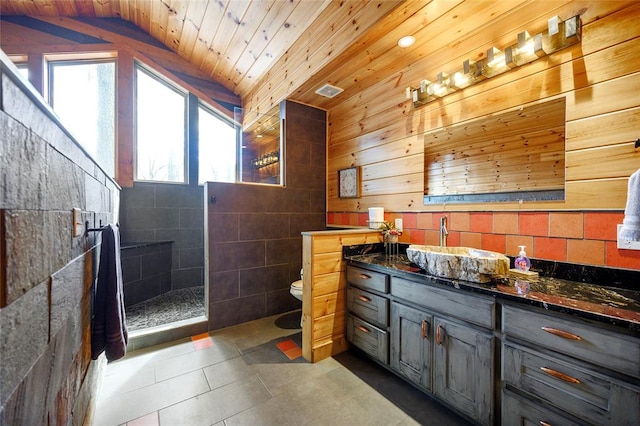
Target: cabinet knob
363, 329
364, 276
559, 375
561, 333
364, 298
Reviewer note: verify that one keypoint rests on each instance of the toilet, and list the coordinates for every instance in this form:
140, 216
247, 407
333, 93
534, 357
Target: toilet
296, 288
296, 291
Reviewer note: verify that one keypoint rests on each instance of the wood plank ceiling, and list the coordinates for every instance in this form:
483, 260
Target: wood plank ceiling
269, 50
234, 41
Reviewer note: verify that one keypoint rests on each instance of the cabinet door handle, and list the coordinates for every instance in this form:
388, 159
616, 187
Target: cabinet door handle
559, 375
561, 333
543, 423
364, 276
439, 335
363, 329
425, 327
364, 298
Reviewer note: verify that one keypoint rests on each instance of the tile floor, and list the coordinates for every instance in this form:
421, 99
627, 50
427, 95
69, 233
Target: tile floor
254, 374
173, 306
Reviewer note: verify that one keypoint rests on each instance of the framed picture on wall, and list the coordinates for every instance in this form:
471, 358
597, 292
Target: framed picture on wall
348, 182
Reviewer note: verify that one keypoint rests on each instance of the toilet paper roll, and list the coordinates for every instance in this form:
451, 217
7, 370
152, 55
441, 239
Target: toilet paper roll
376, 214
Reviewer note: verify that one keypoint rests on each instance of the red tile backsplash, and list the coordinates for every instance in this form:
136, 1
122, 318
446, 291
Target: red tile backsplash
621, 258
424, 220
460, 221
481, 222
576, 237
549, 248
514, 241
416, 236
534, 223
505, 223
566, 224
409, 220
589, 252
471, 239
602, 225
494, 242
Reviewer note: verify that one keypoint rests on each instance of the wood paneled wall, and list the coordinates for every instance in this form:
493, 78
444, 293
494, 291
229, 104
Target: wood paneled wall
383, 133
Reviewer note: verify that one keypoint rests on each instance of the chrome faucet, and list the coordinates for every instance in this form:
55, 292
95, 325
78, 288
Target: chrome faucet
443, 231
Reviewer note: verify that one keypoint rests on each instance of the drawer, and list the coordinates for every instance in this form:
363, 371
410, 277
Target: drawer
585, 394
368, 306
571, 337
474, 309
368, 280
519, 411
369, 338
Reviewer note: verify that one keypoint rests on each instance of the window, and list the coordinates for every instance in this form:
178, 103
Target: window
24, 70
82, 93
160, 129
216, 147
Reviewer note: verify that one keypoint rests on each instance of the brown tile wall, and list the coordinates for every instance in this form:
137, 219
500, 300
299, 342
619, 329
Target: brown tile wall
587, 237
46, 274
254, 231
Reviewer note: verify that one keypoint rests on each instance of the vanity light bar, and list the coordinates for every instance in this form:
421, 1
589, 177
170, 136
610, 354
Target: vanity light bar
559, 34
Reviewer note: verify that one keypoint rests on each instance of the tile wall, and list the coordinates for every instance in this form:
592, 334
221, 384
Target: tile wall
254, 231
585, 237
154, 212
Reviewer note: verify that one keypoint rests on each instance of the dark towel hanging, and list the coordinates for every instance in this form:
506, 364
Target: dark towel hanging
108, 327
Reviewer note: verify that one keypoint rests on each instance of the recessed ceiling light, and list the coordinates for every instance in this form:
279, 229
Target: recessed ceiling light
329, 91
406, 41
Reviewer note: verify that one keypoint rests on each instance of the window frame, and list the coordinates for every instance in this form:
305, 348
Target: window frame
70, 59
185, 131
201, 103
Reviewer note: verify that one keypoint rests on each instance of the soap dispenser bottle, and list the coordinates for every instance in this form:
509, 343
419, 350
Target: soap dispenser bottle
522, 262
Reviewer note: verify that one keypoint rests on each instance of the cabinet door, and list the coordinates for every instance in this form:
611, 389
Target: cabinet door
411, 344
463, 366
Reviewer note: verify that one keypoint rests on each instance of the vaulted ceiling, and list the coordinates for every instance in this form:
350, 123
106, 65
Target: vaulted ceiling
233, 41
269, 50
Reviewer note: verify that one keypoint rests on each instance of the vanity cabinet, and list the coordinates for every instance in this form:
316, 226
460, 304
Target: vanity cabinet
438, 345
368, 312
570, 371
436, 338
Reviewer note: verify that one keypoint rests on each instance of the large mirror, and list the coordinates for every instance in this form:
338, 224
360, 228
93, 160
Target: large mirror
509, 156
261, 149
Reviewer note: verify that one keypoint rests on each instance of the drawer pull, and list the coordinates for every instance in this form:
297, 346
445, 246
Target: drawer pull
543, 423
559, 375
424, 329
364, 298
364, 276
561, 333
439, 335
363, 329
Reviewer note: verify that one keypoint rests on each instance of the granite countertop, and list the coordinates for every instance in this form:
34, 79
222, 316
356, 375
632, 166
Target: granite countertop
605, 295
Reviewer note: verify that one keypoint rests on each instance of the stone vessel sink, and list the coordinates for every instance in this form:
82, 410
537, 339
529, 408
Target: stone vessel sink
462, 263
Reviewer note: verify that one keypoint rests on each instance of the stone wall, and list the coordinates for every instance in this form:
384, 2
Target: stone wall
254, 231
46, 274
